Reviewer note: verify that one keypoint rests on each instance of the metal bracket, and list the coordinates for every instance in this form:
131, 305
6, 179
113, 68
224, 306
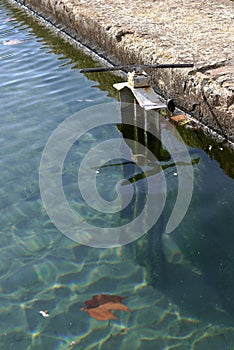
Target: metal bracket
140, 85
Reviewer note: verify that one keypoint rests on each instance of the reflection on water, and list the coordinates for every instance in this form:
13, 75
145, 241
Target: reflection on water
179, 287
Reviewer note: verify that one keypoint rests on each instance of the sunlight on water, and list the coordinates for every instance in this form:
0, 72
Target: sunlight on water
179, 292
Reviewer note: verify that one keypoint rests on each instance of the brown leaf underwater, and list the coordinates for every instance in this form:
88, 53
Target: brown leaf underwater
103, 313
100, 299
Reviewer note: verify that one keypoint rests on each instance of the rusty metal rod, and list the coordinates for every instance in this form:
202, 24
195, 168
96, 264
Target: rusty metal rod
110, 69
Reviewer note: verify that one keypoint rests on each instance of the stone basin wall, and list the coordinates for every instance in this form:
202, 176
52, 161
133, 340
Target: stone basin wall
162, 31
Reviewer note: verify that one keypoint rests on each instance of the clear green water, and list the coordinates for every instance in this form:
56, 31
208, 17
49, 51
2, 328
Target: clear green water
191, 307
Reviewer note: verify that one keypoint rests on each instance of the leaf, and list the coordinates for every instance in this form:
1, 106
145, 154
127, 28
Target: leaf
100, 299
100, 305
181, 119
114, 306
103, 313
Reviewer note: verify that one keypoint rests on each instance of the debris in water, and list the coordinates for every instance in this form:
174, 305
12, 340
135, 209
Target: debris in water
44, 313
103, 313
180, 119
12, 42
100, 306
100, 299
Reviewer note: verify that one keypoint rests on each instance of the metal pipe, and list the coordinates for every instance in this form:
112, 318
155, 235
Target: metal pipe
141, 66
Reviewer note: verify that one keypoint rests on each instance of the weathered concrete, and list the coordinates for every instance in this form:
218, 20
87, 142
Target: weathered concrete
162, 31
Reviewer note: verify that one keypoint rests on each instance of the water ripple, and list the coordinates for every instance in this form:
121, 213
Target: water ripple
41, 269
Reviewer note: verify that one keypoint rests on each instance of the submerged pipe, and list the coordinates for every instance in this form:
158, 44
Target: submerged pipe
110, 69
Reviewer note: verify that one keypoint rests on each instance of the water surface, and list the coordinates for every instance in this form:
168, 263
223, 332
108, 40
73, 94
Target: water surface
180, 294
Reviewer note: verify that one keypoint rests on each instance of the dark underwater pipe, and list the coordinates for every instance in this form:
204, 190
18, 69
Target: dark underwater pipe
110, 69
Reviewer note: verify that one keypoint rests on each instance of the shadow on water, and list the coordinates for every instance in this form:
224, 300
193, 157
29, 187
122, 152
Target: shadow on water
194, 264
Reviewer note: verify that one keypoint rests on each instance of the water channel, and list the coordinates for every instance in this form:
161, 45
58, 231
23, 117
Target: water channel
179, 288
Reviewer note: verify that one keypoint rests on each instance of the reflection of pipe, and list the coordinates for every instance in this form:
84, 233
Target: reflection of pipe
132, 113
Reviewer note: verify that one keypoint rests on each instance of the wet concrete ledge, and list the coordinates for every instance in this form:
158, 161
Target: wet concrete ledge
162, 31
